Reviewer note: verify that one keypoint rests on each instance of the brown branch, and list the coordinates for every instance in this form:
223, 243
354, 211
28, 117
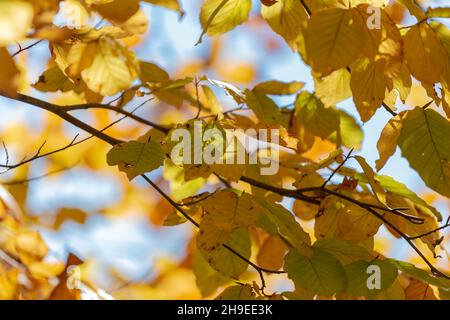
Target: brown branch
196, 224
26, 48
38, 154
197, 98
305, 6
367, 207
299, 194
446, 225
113, 141
26, 181
118, 110
338, 168
60, 112
291, 193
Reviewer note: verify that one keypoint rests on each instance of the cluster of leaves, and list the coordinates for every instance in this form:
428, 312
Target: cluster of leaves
244, 220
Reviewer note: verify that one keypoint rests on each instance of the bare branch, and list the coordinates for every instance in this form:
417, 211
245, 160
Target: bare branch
118, 110
22, 49
338, 168
299, 194
26, 181
446, 225
38, 154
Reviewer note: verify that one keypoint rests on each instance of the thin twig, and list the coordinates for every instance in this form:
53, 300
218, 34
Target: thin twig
338, 168
46, 175
26, 48
446, 225
118, 110
197, 98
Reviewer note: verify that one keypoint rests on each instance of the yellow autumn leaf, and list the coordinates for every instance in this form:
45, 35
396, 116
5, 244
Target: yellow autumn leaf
333, 40
112, 70
368, 86
210, 242
169, 4
9, 76
117, 10
53, 80
220, 16
383, 40
317, 5
11, 13
264, 107
370, 175
357, 224
271, 253
334, 87
387, 143
286, 18
275, 87
30, 247
423, 51
228, 210
9, 281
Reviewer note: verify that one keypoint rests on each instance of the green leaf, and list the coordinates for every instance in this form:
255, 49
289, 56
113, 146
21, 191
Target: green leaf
52, 80
424, 141
136, 158
420, 274
206, 278
391, 185
228, 210
317, 119
350, 132
321, 273
345, 251
238, 292
227, 263
265, 108
358, 275
287, 226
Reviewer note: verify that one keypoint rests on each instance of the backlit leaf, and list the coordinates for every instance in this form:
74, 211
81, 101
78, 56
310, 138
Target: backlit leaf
321, 273
424, 140
136, 158
327, 40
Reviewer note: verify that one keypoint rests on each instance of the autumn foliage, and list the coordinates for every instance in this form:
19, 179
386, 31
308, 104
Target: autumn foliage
315, 227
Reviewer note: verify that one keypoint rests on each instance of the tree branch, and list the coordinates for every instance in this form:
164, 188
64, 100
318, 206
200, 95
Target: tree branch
118, 110
59, 111
299, 194
113, 141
